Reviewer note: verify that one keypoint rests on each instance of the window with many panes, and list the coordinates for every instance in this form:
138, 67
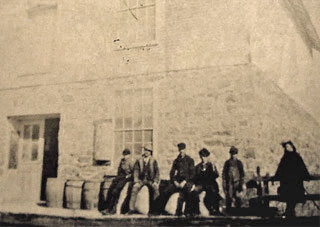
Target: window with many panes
136, 25
28, 151
133, 120
30, 142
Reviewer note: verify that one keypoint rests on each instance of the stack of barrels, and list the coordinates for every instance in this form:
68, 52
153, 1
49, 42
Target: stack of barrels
77, 194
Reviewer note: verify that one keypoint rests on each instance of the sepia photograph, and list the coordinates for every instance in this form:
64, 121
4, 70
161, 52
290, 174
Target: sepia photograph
159, 113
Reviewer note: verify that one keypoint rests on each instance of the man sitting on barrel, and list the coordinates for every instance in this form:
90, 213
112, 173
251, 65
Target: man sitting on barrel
124, 175
181, 176
146, 172
206, 174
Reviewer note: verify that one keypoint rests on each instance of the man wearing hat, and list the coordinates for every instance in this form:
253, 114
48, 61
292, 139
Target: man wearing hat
232, 179
146, 172
205, 180
181, 176
291, 173
124, 175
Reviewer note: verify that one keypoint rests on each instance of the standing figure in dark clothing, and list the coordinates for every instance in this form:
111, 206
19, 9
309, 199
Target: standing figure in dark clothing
205, 180
291, 173
146, 172
181, 176
124, 175
232, 179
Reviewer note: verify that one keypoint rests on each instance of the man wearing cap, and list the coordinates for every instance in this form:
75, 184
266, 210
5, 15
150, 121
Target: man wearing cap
181, 176
124, 175
205, 180
232, 179
146, 172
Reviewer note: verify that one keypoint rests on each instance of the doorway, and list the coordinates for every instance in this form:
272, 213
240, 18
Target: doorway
50, 153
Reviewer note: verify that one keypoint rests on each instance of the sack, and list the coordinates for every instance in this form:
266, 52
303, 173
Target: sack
142, 202
203, 209
172, 203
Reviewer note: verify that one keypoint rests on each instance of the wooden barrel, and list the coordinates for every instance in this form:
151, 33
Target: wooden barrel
73, 194
91, 191
54, 192
105, 185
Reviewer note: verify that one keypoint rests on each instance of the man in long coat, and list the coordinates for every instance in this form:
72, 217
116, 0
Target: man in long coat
291, 173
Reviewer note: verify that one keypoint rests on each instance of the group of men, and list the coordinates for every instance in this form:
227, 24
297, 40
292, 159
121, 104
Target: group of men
186, 178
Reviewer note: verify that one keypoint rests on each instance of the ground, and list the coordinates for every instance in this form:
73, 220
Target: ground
26, 215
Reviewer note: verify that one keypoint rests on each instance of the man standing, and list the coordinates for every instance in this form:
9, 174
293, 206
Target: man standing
181, 176
232, 178
291, 173
124, 175
146, 172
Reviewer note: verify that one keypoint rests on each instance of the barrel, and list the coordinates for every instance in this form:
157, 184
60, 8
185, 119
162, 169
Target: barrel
105, 185
54, 192
73, 194
91, 191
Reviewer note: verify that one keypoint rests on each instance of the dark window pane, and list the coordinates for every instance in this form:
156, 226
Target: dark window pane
118, 149
35, 132
148, 108
13, 156
25, 151
138, 148
27, 132
34, 152
118, 153
137, 122
137, 136
128, 136
127, 105
119, 137
147, 136
137, 108
148, 122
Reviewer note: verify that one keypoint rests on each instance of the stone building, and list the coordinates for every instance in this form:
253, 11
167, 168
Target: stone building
81, 80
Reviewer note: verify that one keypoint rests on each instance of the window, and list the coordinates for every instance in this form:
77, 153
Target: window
133, 120
24, 144
30, 142
13, 152
136, 23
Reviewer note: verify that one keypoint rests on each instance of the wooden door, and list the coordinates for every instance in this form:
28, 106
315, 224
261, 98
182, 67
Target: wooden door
30, 160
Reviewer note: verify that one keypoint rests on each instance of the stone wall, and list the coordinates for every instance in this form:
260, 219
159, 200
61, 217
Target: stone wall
213, 108
233, 106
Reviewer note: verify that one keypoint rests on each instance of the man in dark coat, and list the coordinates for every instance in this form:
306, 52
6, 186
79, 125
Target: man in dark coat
146, 172
232, 179
181, 176
291, 173
124, 175
205, 180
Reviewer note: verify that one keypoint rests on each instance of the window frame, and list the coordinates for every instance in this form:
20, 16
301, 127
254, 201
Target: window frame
142, 127
133, 44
